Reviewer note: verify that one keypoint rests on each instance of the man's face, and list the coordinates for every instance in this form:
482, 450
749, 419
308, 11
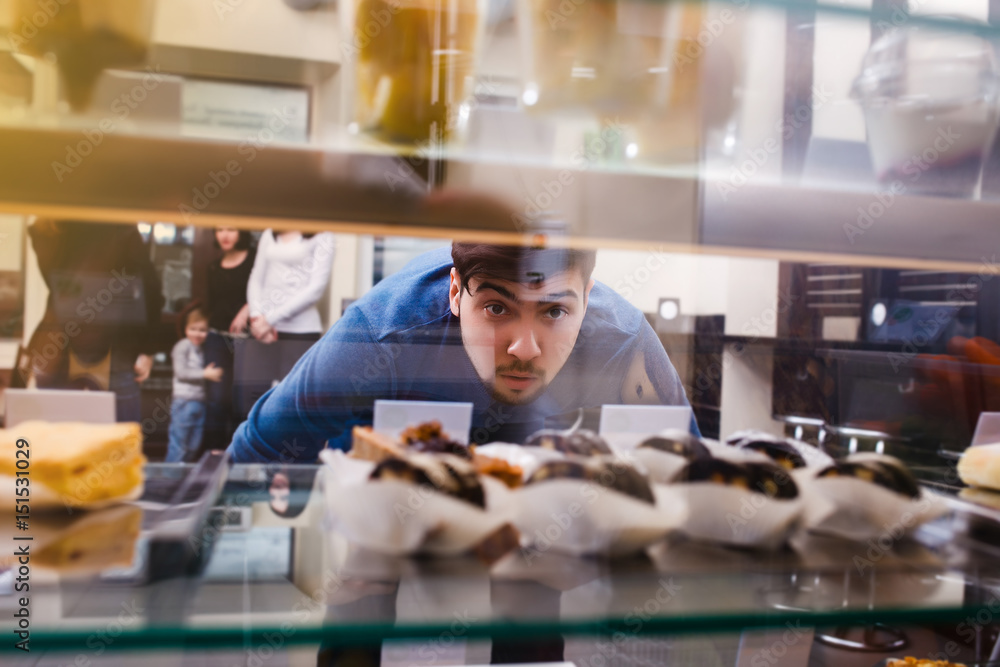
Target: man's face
518, 336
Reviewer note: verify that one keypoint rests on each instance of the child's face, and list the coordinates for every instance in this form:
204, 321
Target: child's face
196, 331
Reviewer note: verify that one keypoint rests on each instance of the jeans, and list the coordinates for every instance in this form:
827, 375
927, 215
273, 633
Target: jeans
187, 420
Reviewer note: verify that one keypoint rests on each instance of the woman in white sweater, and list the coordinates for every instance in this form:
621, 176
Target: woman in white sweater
289, 275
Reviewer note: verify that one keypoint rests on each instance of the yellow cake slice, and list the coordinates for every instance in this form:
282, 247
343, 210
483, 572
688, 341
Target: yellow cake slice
80, 541
80, 463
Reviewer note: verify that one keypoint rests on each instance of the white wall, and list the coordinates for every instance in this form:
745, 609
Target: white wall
263, 27
698, 281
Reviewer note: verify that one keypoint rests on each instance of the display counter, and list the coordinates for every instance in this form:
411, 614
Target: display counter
266, 580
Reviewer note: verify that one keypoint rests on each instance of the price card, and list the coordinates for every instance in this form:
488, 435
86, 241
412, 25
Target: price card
391, 417
644, 419
987, 429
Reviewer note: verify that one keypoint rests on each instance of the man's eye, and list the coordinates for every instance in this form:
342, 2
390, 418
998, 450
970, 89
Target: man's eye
558, 313
496, 309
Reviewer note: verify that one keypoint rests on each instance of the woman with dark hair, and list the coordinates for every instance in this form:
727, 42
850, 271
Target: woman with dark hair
228, 316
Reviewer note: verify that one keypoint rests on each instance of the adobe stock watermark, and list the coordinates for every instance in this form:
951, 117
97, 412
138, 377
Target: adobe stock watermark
218, 180
711, 30
882, 544
225, 7
121, 108
374, 23
740, 174
913, 168
430, 148
99, 641
30, 25
614, 650
550, 190
632, 281
87, 310
927, 331
773, 654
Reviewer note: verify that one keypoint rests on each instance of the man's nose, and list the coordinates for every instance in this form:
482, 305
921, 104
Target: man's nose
524, 345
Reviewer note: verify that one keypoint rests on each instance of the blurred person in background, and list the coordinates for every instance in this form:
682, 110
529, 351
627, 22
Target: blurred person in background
100, 327
187, 407
228, 317
290, 274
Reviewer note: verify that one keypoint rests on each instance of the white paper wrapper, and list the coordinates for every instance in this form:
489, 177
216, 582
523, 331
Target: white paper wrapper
528, 459
579, 517
813, 456
733, 515
662, 467
43, 497
854, 509
398, 518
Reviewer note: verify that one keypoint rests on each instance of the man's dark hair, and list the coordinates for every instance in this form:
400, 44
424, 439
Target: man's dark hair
244, 241
520, 264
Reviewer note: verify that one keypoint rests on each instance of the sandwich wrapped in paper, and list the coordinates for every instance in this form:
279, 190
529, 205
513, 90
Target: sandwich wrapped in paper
72, 464
746, 500
415, 503
866, 496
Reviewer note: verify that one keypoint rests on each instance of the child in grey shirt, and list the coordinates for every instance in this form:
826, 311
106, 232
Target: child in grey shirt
187, 411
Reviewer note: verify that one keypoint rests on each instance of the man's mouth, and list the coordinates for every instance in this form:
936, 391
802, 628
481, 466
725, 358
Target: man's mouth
518, 381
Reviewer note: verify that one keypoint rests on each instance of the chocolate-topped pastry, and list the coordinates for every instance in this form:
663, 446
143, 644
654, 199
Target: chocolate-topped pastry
680, 444
764, 478
581, 442
448, 474
782, 453
431, 439
887, 473
611, 475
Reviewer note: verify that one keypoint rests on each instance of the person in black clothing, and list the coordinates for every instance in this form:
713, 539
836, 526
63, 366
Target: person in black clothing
228, 317
101, 323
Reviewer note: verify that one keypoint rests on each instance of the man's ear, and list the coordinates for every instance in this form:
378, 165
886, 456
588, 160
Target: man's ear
586, 293
455, 291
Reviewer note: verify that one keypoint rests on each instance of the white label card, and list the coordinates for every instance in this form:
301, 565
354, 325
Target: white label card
644, 418
987, 429
391, 417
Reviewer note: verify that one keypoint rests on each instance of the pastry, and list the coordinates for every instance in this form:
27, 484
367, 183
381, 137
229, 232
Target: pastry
910, 661
445, 473
764, 478
980, 466
581, 442
780, 452
611, 475
79, 464
680, 444
885, 471
80, 541
431, 439
508, 473
370, 445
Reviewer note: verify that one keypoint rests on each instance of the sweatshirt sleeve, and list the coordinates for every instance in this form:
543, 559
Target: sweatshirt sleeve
329, 391
255, 285
309, 281
184, 370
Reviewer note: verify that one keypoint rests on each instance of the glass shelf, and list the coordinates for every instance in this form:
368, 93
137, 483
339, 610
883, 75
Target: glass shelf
580, 178
270, 576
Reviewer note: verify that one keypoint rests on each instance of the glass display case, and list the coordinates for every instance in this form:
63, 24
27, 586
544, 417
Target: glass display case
800, 197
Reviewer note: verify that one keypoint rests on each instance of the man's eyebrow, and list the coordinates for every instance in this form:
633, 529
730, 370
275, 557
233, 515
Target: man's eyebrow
499, 289
507, 294
549, 298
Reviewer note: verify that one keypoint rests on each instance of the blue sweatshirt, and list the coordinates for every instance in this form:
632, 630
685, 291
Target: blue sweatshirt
400, 341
